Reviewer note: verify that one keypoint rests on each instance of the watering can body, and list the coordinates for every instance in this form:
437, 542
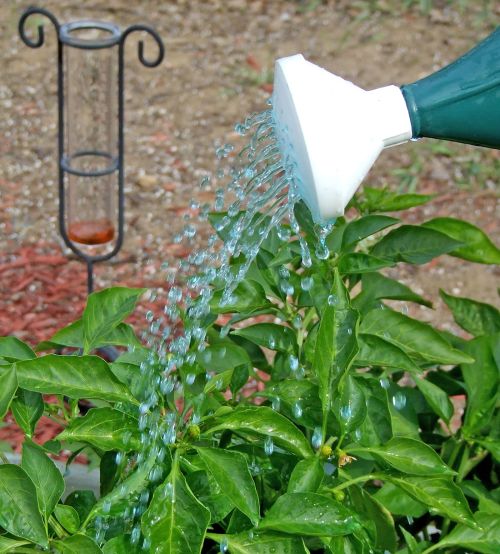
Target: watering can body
332, 131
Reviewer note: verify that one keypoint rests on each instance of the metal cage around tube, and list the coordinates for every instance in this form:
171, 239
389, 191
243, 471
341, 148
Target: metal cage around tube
90, 94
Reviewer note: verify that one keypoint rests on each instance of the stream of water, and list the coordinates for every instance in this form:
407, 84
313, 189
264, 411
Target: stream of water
259, 195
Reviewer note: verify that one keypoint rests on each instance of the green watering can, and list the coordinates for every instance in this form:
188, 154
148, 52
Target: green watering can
330, 131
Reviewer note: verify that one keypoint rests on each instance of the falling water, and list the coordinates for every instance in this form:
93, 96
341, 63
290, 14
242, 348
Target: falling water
260, 196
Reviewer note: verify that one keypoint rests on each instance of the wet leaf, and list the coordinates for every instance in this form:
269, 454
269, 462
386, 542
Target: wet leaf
306, 475
336, 344
27, 408
264, 543
104, 428
484, 539
8, 388
440, 494
249, 296
412, 336
68, 517
475, 317
365, 226
73, 376
407, 455
105, 310
77, 544
230, 470
349, 405
19, 513
359, 262
436, 397
477, 247
309, 514
12, 349
375, 351
383, 200
270, 335
46, 477
415, 245
482, 383
175, 521
265, 422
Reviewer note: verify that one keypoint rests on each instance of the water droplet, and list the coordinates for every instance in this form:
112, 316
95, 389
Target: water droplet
384, 383
294, 363
345, 412
190, 378
399, 400
317, 438
223, 546
276, 404
268, 446
306, 283
297, 410
332, 300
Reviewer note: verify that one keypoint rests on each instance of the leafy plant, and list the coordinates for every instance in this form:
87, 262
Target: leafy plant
317, 419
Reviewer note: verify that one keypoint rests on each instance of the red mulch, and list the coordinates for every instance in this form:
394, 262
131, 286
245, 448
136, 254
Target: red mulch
42, 291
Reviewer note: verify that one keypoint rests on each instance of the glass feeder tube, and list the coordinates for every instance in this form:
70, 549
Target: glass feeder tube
90, 74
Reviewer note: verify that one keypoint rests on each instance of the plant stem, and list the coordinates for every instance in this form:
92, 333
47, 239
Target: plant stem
60, 532
361, 479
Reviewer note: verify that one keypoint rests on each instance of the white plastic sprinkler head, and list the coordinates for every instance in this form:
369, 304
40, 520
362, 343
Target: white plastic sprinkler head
330, 131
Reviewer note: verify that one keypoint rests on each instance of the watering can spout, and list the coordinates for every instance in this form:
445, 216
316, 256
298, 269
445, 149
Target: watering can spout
330, 131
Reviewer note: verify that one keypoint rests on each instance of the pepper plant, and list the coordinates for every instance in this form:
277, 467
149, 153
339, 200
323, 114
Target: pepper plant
317, 417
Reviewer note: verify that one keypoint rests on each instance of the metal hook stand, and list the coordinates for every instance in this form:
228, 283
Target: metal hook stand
70, 159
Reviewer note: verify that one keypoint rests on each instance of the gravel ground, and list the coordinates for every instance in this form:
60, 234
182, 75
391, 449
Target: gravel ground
218, 68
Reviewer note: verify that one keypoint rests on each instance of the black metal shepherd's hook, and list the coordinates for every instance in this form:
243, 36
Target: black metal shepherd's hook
89, 162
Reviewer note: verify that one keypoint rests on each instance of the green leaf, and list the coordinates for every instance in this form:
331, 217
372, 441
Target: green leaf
382, 523
8, 388
440, 494
270, 335
77, 544
492, 445
475, 317
175, 521
398, 502
349, 405
413, 244
27, 408
121, 545
222, 356
210, 494
19, 513
383, 200
407, 455
105, 310
104, 428
263, 543
73, 376
303, 393
68, 517
412, 336
377, 425
82, 501
375, 351
7, 546
485, 539
481, 382
306, 476
477, 247
12, 349
46, 477
359, 262
230, 470
336, 344
248, 296
437, 399
377, 286
366, 226
72, 336
309, 514
264, 422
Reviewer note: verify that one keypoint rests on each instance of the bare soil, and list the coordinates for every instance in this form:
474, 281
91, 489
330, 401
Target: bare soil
218, 68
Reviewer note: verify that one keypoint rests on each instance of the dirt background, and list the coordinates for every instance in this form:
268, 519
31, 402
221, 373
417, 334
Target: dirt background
218, 68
